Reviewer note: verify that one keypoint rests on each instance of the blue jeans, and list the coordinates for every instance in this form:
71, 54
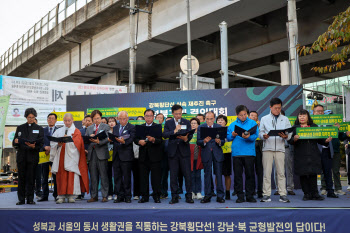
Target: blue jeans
196, 178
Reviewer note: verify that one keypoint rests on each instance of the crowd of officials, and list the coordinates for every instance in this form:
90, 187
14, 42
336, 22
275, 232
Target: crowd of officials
138, 161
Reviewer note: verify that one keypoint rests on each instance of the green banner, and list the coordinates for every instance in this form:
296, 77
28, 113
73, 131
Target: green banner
321, 119
194, 139
186, 116
4, 104
292, 119
112, 112
106, 112
344, 127
317, 132
327, 119
140, 122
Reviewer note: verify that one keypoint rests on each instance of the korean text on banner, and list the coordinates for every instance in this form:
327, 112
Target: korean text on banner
317, 132
112, 112
4, 104
34, 91
77, 116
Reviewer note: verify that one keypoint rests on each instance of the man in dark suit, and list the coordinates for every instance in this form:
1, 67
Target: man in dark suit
87, 123
123, 156
98, 156
211, 155
48, 131
179, 153
27, 155
326, 159
150, 157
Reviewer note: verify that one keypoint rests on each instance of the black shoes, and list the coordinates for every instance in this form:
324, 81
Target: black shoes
174, 200
143, 200
157, 200
251, 199
307, 197
127, 200
291, 193
260, 195
189, 200
118, 200
220, 200
317, 197
30, 203
332, 195
205, 200
240, 200
20, 203
43, 199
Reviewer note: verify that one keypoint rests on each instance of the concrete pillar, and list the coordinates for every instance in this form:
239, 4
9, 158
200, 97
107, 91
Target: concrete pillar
285, 78
109, 79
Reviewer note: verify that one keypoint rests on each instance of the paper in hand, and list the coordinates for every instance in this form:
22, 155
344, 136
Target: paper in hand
60, 139
154, 131
100, 136
23, 141
189, 132
240, 131
112, 137
213, 132
276, 132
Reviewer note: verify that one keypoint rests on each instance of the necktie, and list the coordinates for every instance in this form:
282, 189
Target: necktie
210, 126
121, 130
96, 129
50, 131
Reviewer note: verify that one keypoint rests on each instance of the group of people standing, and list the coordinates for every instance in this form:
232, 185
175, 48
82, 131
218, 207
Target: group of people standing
79, 166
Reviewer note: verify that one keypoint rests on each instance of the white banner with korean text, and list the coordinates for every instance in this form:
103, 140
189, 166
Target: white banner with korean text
34, 91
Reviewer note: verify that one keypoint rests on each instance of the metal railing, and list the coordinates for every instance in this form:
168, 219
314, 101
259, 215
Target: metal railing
63, 10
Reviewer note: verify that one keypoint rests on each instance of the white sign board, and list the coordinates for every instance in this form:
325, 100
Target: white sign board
15, 113
34, 91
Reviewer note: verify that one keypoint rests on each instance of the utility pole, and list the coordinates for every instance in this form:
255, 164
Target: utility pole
133, 47
189, 52
292, 26
224, 55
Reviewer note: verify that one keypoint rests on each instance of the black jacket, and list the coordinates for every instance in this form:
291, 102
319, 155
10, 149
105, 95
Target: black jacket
154, 151
32, 133
173, 144
124, 151
307, 157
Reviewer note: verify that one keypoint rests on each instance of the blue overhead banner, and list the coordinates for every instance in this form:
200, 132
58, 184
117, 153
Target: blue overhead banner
175, 220
221, 101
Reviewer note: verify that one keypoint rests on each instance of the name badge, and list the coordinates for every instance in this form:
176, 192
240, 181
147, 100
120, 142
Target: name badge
35, 131
183, 126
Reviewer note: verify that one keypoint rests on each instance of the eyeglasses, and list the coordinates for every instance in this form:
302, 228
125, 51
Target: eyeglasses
149, 115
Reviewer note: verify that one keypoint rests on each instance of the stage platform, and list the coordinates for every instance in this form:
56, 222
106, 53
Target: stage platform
8, 201
329, 215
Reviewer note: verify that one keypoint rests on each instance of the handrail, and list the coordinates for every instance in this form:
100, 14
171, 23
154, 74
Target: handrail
63, 10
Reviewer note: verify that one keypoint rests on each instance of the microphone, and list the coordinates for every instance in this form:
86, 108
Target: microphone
146, 140
246, 133
179, 121
217, 136
19, 134
66, 131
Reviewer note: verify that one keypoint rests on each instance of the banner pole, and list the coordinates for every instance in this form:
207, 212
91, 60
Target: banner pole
344, 113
